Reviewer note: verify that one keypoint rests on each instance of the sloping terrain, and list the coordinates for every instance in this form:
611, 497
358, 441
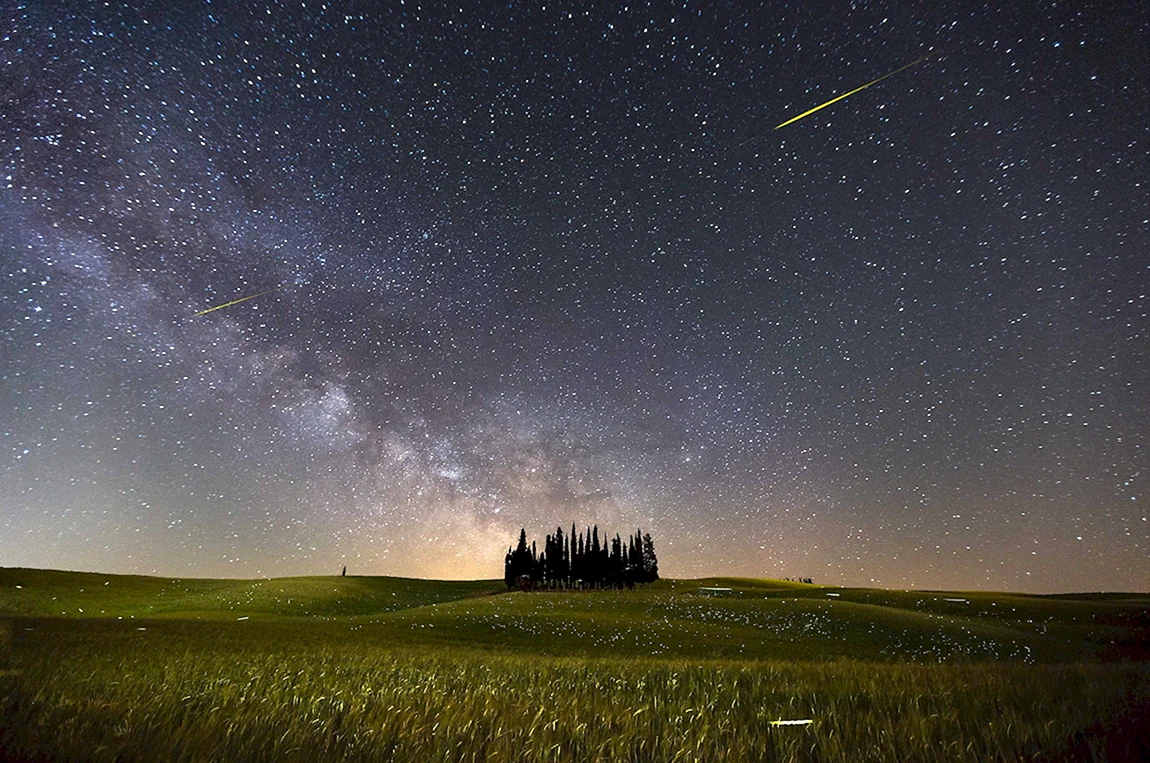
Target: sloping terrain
52, 593
732, 618
117, 668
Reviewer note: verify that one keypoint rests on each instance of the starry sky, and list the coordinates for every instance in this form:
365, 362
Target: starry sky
536, 264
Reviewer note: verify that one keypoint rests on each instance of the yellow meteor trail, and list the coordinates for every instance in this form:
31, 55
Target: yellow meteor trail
852, 92
236, 301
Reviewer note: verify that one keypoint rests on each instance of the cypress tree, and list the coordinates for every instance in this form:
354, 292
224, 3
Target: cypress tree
616, 576
520, 562
578, 562
637, 561
567, 562
534, 570
571, 574
631, 559
605, 563
596, 570
560, 565
650, 561
549, 559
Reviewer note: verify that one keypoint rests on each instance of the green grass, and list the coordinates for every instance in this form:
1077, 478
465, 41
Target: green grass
410, 670
51, 593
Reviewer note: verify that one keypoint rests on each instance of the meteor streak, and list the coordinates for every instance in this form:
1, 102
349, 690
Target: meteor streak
836, 99
237, 301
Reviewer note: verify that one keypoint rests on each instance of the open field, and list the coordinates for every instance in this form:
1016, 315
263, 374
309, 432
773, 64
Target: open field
109, 667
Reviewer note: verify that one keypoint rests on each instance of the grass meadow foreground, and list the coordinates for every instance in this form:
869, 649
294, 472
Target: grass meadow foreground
102, 667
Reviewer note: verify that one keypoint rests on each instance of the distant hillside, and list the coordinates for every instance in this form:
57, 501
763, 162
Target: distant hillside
706, 618
51, 593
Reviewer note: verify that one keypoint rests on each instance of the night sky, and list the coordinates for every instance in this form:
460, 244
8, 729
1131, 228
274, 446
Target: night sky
538, 264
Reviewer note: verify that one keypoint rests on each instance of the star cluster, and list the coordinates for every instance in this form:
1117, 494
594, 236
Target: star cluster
536, 263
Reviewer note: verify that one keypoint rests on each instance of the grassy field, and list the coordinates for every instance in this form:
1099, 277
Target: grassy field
103, 667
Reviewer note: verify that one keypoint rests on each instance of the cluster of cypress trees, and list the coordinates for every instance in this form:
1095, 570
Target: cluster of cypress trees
581, 561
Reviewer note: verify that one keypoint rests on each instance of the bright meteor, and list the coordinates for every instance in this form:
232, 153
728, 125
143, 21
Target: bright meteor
836, 99
237, 301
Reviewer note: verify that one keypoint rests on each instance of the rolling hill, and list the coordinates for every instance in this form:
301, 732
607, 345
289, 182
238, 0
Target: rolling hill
708, 618
110, 667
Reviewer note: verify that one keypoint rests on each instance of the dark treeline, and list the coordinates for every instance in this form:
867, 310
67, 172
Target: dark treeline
581, 561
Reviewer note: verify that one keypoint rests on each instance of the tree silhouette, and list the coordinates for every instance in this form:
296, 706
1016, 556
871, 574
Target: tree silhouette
519, 563
650, 561
581, 560
638, 566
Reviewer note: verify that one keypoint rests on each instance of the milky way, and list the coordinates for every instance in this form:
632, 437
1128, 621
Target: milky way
538, 264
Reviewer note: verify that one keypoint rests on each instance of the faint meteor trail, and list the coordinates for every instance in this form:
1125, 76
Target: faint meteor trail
836, 99
237, 301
